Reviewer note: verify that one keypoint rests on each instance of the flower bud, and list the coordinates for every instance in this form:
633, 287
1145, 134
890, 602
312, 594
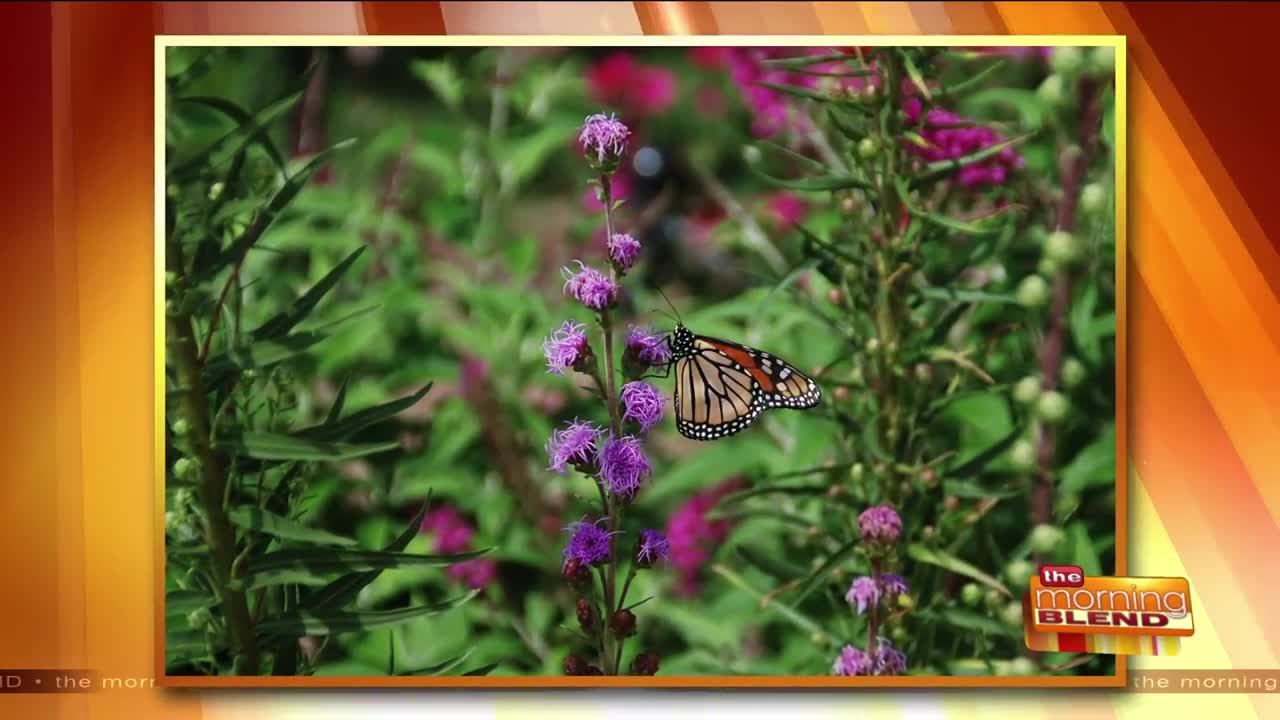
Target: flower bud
1063, 247
1101, 61
1023, 455
199, 619
1011, 614
1053, 406
1073, 372
1032, 292
1027, 390
1021, 666
623, 623
586, 614
929, 477
1044, 538
992, 599
576, 574
835, 296
646, 663
1053, 91
1093, 199
180, 427
906, 602
1066, 60
1018, 573
971, 594
950, 503
1047, 266
873, 344
868, 147
857, 472
841, 393
575, 665
183, 468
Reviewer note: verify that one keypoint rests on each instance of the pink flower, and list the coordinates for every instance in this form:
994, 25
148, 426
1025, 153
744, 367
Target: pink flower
693, 537
787, 209
710, 57
652, 92
621, 80
608, 78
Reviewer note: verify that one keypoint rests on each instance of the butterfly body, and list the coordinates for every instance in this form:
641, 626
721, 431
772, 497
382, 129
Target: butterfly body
722, 386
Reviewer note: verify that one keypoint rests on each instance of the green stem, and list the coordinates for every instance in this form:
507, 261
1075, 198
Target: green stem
219, 534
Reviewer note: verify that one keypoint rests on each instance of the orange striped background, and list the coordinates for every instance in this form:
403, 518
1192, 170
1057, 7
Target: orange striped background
1202, 300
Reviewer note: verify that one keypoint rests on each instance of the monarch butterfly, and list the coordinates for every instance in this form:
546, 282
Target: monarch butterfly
722, 387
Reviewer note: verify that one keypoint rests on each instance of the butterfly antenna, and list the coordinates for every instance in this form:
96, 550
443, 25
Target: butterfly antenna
672, 306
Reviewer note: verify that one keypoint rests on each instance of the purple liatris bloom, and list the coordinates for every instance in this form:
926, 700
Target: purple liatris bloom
623, 250
889, 660
574, 445
590, 287
647, 348
863, 593
642, 403
894, 584
623, 466
851, 661
589, 544
880, 524
653, 547
566, 347
603, 139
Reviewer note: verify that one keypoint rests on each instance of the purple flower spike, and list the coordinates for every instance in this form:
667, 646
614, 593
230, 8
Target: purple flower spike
648, 348
575, 446
623, 466
623, 250
880, 524
850, 662
589, 544
604, 140
590, 287
653, 547
642, 403
566, 347
894, 584
889, 661
863, 593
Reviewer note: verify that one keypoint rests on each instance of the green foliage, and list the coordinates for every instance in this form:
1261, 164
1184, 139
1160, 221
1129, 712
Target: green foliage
354, 346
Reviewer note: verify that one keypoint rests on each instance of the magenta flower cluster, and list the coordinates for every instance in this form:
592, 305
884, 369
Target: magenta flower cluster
694, 537
589, 543
604, 139
566, 348
590, 287
867, 591
951, 137
880, 524
647, 348
452, 534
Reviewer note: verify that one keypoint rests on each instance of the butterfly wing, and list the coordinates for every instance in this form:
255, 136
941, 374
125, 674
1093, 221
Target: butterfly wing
722, 387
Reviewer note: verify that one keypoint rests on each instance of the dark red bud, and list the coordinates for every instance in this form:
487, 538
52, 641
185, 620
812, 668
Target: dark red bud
577, 574
586, 614
623, 623
646, 663
575, 665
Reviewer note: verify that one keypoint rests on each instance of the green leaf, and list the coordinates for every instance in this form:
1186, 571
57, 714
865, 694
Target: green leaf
940, 220
970, 489
770, 563
441, 668
819, 575
1025, 103
977, 463
309, 622
285, 321
343, 590
951, 563
482, 670
917, 78
1109, 120
815, 184
792, 615
976, 622
242, 118
809, 94
1093, 466
276, 446
235, 252
969, 296
335, 410
971, 82
180, 603
780, 488
1082, 325
1083, 553
331, 431
226, 365
442, 78
792, 63
317, 566
234, 141
259, 520
525, 157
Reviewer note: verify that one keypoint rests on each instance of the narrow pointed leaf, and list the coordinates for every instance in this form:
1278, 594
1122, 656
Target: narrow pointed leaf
973, 81
917, 79
951, 563
275, 446
335, 410
941, 220
769, 563
441, 668
267, 523
231, 143
977, 463
241, 117
820, 183
788, 612
792, 63
343, 590
819, 575
358, 421
344, 560
226, 365
482, 670
779, 488
180, 603
809, 94
287, 319
309, 622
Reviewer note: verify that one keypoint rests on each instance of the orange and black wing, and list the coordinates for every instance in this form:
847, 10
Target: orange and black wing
722, 387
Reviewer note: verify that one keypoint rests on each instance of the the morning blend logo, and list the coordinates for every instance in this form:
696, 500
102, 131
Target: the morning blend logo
1065, 611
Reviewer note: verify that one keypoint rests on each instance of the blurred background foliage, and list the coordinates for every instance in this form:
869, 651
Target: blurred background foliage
465, 188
